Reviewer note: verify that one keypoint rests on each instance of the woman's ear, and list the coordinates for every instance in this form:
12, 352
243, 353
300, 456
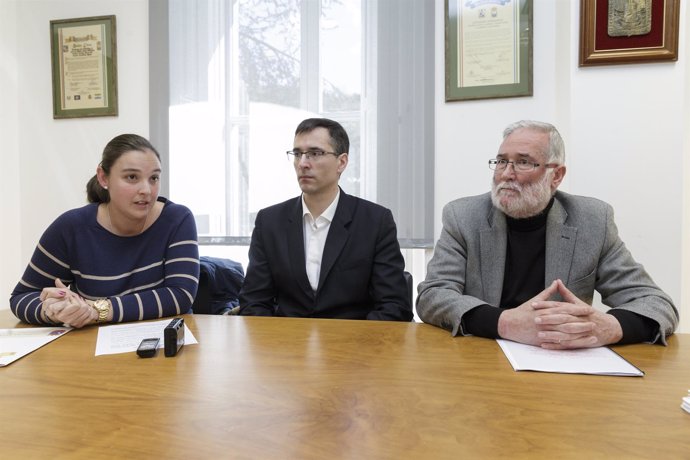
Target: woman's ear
102, 177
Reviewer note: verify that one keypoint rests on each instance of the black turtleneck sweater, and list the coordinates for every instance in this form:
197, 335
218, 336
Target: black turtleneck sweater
524, 278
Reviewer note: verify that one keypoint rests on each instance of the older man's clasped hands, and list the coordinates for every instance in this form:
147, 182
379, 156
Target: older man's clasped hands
558, 324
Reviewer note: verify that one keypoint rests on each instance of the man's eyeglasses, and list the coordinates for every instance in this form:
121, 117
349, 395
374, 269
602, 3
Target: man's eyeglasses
313, 154
518, 165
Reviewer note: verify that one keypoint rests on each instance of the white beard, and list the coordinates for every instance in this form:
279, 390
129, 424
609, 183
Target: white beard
530, 200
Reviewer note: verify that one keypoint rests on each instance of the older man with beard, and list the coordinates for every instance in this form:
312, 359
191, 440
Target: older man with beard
522, 262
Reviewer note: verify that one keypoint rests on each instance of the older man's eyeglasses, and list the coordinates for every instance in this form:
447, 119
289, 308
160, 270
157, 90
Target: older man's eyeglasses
521, 165
311, 155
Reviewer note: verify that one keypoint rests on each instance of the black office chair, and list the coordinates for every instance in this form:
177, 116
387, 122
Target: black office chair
410, 287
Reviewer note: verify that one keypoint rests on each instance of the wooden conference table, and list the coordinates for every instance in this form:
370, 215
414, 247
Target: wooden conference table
262, 388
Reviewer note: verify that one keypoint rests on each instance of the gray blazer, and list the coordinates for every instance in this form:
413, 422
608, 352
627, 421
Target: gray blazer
583, 249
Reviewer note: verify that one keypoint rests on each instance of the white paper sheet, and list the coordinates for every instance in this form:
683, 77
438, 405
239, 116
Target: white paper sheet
18, 342
600, 360
686, 403
125, 338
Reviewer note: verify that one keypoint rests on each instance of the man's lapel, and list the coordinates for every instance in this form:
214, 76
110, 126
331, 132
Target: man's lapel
560, 245
338, 234
295, 240
493, 241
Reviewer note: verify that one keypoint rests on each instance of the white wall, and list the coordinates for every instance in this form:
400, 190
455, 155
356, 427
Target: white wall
685, 171
45, 162
9, 151
625, 129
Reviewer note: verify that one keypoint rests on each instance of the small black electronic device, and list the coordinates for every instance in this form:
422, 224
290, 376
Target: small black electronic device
147, 347
173, 337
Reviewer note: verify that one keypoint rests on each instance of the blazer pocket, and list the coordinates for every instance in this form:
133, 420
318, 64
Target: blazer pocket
355, 264
583, 287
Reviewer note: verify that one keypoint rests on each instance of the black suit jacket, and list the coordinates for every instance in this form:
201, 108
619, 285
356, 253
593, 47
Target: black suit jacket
361, 269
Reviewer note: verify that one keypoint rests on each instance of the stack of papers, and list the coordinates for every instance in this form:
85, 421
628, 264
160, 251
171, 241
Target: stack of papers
18, 342
125, 338
686, 403
598, 361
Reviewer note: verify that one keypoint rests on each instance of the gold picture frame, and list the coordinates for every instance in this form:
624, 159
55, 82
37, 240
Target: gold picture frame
84, 67
657, 42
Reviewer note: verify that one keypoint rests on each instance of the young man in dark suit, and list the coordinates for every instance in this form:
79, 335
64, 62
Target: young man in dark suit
325, 254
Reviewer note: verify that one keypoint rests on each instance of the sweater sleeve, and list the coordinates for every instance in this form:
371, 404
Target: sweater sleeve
636, 328
48, 263
482, 321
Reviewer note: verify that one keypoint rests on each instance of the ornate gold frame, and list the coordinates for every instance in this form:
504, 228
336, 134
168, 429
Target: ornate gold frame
627, 51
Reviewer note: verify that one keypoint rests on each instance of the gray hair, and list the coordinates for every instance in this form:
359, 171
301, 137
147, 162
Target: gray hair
556, 149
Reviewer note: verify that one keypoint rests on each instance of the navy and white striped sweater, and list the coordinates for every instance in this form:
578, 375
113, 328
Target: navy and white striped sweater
151, 275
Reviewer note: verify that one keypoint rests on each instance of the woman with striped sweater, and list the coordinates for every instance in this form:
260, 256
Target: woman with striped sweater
127, 255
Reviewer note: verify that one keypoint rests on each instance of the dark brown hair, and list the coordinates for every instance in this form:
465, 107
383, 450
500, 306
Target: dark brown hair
339, 140
113, 150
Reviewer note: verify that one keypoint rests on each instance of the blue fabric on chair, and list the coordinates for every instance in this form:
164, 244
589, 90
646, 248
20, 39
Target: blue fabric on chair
220, 281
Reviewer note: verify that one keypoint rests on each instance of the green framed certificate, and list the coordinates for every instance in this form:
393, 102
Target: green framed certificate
488, 49
84, 64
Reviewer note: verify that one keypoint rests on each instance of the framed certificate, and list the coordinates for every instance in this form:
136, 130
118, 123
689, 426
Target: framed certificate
488, 49
84, 66
628, 31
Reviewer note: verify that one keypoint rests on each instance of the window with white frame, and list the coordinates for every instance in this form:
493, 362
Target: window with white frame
243, 73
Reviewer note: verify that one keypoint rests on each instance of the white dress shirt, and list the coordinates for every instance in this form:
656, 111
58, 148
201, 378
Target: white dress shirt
315, 233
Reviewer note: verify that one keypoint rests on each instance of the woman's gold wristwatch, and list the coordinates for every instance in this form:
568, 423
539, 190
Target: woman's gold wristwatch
102, 307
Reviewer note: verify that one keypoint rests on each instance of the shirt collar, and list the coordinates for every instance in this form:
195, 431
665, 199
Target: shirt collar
328, 214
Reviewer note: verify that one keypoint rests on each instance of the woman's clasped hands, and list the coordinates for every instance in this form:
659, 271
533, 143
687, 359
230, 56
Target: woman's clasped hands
61, 305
